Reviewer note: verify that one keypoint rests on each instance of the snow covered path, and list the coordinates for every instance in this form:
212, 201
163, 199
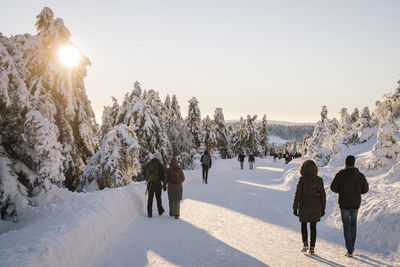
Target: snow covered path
241, 218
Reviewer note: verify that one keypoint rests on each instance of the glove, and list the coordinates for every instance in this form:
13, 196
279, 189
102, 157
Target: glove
322, 213
295, 213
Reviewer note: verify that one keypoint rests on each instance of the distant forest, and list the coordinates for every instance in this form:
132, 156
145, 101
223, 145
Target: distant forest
290, 132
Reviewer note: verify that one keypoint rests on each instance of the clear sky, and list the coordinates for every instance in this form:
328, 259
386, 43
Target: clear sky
282, 58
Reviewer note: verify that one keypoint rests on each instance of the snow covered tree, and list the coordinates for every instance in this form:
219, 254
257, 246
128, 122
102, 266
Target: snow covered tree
387, 147
43, 149
235, 136
365, 119
115, 163
178, 134
365, 129
345, 122
347, 135
109, 116
193, 122
223, 144
322, 141
148, 114
47, 102
251, 135
263, 131
355, 116
210, 134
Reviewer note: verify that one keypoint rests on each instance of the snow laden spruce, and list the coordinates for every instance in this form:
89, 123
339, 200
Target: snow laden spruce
115, 163
47, 123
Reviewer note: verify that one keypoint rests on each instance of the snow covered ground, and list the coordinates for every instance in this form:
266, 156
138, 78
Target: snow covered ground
276, 140
241, 218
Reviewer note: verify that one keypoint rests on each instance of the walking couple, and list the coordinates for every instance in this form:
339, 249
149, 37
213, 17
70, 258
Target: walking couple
158, 178
310, 200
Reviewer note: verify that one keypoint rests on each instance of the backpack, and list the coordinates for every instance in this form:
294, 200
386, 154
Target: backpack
206, 160
176, 176
152, 172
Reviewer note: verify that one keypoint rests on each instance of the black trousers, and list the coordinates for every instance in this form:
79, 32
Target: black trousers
205, 173
154, 189
313, 230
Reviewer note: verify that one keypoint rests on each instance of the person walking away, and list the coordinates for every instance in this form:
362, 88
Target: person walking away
241, 159
175, 178
350, 183
309, 202
251, 161
154, 173
206, 165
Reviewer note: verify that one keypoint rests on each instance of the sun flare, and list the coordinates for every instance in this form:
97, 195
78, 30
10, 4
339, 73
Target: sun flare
69, 55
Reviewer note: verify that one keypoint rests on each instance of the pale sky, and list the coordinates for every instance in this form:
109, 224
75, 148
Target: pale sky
282, 58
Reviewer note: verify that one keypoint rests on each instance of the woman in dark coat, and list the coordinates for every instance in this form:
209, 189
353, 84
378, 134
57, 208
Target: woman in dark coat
175, 178
309, 202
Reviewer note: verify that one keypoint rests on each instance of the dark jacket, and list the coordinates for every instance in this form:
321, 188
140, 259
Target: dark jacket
350, 184
175, 190
158, 183
205, 165
251, 158
241, 157
310, 198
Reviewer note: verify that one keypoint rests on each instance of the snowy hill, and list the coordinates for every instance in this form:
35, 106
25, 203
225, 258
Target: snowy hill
241, 218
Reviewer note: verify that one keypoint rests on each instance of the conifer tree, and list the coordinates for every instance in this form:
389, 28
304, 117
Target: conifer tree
223, 144
115, 163
210, 134
264, 136
47, 102
193, 122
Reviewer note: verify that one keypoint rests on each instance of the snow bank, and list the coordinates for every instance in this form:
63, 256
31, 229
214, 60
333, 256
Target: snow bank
73, 229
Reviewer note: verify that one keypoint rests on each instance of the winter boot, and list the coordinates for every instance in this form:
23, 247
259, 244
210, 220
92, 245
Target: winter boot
311, 251
305, 247
176, 216
350, 255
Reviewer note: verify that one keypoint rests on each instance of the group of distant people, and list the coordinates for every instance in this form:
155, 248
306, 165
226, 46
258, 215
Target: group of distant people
287, 156
251, 160
309, 201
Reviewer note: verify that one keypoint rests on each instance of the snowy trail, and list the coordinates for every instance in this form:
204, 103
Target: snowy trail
241, 218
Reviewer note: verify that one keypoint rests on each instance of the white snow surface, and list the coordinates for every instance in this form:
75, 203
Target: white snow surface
276, 140
240, 218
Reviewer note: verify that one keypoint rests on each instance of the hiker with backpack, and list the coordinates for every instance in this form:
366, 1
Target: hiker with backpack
241, 159
175, 178
251, 161
206, 165
154, 174
350, 183
309, 202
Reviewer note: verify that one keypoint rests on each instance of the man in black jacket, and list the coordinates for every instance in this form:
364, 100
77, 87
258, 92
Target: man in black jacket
154, 172
241, 159
350, 184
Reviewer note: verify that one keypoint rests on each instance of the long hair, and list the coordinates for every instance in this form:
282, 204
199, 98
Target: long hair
174, 163
309, 168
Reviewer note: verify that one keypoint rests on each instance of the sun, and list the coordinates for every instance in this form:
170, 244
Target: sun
69, 55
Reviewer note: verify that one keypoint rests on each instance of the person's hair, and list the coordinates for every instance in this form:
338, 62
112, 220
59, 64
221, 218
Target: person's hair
174, 163
309, 167
350, 161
